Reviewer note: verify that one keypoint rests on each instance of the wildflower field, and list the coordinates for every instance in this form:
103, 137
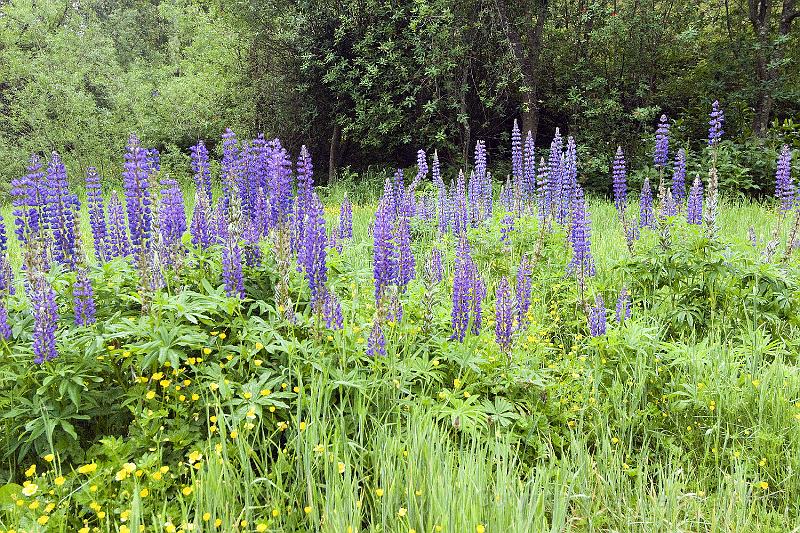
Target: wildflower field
441, 352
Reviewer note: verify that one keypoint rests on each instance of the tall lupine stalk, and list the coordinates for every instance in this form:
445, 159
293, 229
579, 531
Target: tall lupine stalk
136, 185
522, 291
118, 244
504, 315
506, 228
460, 214
410, 203
346, 219
172, 218
384, 251
569, 181
201, 169
83, 298
3, 237
679, 177
280, 184
305, 192
661, 153
332, 311
647, 217
376, 343
42, 297
406, 265
463, 290
529, 171
555, 168
517, 164
229, 166
201, 229
478, 185
97, 213
399, 191
784, 185
712, 201
694, 206
623, 311
715, 131
582, 264
543, 192
313, 254
29, 193
620, 182
6, 289
597, 317
232, 277
61, 212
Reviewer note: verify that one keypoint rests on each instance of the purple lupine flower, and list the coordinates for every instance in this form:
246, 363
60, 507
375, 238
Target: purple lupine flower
229, 166
784, 185
694, 206
435, 269
623, 305
529, 171
395, 311
506, 227
137, 196
620, 180
715, 124
172, 214
29, 192
668, 208
462, 290
569, 181
153, 160
504, 315
543, 190
517, 164
346, 219
118, 244
522, 291
61, 212
508, 196
83, 299
45, 313
597, 317
646, 216
252, 251
399, 192
460, 215
384, 252
679, 177
422, 172
201, 168
406, 265
376, 343
582, 263
232, 268
478, 294
201, 221
313, 254
661, 153
97, 213
3, 237
5, 327
6, 289
332, 311
280, 179
555, 167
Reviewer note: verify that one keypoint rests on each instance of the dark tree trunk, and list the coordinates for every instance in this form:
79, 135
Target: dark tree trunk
525, 48
333, 157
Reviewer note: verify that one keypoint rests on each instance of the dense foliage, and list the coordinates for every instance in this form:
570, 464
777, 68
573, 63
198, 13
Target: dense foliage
462, 356
362, 83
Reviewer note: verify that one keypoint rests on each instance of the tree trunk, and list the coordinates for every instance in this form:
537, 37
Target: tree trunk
333, 157
525, 48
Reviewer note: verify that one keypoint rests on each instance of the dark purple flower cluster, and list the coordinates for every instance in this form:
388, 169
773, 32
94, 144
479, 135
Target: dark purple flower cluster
97, 213
623, 305
582, 263
138, 201
45, 314
504, 314
29, 193
542, 190
201, 168
376, 343
517, 165
280, 185
555, 170
406, 265
694, 206
647, 217
332, 311
506, 228
313, 255
568, 182
200, 229
715, 124
620, 180
529, 172
83, 299
61, 212
232, 269
468, 293
597, 317
171, 214
784, 185
661, 154
384, 254
679, 177
118, 244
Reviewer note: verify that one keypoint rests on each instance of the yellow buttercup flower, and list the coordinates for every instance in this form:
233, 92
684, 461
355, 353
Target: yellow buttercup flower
49, 457
87, 469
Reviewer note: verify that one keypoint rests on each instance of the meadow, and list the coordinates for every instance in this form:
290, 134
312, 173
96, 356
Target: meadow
434, 354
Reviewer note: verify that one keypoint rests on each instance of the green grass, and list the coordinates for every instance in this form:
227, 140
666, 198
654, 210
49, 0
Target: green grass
649, 428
